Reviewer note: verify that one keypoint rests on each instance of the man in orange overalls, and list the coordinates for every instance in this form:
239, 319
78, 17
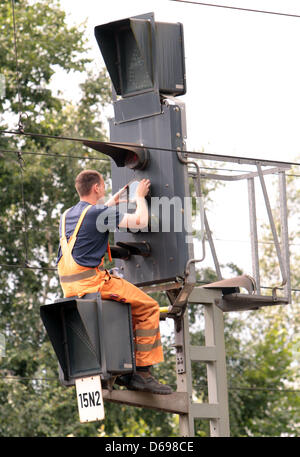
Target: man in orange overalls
80, 256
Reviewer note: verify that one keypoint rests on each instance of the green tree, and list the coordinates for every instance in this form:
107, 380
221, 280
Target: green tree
44, 43
32, 403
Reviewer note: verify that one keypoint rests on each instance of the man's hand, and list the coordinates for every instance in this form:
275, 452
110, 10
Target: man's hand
143, 188
139, 219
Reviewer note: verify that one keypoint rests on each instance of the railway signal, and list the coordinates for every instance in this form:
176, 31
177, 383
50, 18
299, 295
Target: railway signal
145, 60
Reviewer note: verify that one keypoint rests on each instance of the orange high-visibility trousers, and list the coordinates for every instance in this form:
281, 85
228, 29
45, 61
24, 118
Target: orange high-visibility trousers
77, 280
145, 318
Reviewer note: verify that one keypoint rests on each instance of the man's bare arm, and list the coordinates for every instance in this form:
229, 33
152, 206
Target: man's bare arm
115, 199
139, 219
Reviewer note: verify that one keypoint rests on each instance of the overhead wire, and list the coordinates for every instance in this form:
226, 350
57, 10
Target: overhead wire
57, 155
21, 129
86, 157
202, 386
31, 134
30, 267
46, 228
8, 266
262, 287
230, 7
20, 159
24, 228
79, 157
238, 159
54, 154
20, 125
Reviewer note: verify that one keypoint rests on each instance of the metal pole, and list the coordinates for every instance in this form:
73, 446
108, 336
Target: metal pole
272, 224
216, 371
253, 232
285, 232
184, 373
212, 247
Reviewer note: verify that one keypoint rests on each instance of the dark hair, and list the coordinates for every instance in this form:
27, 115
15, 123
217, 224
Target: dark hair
85, 181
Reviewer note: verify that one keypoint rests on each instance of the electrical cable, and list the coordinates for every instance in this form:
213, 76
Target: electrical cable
4, 265
26, 249
20, 125
239, 159
25, 228
203, 386
237, 8
247, 241
46, 228
21, 130
56, 155
294, 289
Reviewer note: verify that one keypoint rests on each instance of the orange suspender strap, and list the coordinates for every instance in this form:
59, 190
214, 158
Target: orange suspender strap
63, 238
63, 224
68, 246
109, 255
109, 252
74, 235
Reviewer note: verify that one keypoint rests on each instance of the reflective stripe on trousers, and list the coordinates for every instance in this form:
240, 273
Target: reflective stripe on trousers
145, 318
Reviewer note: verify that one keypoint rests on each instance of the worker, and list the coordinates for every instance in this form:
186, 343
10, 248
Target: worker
80, 259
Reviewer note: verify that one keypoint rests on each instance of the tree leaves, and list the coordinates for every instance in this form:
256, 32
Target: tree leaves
32, 407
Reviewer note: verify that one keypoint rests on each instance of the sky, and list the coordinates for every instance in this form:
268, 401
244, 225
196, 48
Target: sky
243, 92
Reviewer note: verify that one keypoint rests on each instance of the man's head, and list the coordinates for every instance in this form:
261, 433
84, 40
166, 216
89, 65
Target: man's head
89, 183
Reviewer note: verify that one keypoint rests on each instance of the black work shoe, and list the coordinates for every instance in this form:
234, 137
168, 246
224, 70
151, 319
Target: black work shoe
104, 384
144, 384
123, 380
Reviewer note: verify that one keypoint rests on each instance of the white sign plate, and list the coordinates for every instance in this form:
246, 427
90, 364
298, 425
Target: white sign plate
89, 399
